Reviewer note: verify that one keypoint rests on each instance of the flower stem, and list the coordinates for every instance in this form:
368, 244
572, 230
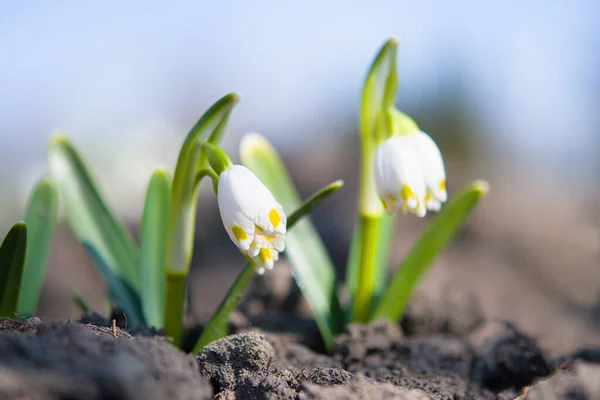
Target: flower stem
369, 228
174, 299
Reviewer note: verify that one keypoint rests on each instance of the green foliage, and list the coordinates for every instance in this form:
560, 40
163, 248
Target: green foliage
40, 218
12, 260
153, 248
191, 161
431, 243
367, 259
313, 269
217, 325
94, 225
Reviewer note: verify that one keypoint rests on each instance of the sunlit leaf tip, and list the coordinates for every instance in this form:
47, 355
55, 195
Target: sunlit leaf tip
482, 187
252, 141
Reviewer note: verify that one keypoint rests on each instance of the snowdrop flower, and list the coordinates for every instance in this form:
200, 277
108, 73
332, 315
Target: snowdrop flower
433, 169
410, 174
252, 217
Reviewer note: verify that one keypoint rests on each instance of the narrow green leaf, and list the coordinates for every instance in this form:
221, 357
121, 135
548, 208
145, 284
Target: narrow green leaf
153, 248
88, 215
217, 325
313, 202
313, 269
12, 259
427, 247
216, 328
119, 289
191, 160
379, 90
366, 264
184, 191
384, 235
40, 218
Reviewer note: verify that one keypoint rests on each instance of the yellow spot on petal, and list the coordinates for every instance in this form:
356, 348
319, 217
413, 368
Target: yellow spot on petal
239, 233
264, 255
406, 193
274, 217
428, 195
442, 185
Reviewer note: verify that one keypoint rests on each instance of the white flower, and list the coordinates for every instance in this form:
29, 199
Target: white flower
434, 172
410, 174
252, 217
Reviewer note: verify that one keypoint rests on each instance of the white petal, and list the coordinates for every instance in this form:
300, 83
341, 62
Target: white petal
231, 215
397, 165
247, 205
433, 205
432, 164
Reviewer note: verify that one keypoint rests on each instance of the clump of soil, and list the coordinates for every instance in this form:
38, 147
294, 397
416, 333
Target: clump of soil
276, 353
64, 360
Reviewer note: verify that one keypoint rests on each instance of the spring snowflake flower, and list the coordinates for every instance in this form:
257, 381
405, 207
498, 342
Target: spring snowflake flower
410, 174
252, 217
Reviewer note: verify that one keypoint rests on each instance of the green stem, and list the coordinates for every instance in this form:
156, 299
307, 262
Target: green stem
369, 226
217, 326
175, 296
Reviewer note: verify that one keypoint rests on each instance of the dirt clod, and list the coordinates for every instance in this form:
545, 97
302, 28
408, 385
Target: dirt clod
510, 359
74, 361
579, 382
360, 340
362, 388
330, 376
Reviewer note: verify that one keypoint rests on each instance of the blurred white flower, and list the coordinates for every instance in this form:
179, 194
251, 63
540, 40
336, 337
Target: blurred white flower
410, 174
252, 217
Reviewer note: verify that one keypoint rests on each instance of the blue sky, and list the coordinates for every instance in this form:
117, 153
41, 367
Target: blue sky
138, 73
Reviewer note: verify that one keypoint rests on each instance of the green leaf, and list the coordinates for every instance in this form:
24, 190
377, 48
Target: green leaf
184, 191
216, 328
88, 215
40, 218
217, 325
119, 289
366, 263
192, 158
153, 248
313, 269
379, 93
313, 202
385, 235
12, 259
427, 247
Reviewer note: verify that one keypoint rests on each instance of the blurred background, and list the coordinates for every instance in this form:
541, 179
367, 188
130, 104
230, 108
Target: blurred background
510, 90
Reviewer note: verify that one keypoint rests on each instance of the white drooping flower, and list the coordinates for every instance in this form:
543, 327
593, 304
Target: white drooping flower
410, 174
434, 172
252, 217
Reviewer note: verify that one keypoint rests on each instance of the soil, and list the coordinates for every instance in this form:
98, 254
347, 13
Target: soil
433, 360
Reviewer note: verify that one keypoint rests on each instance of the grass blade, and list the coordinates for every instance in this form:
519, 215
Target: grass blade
184, 191
153, 248
12, 259
88, 215
217, 325
312, 266
432, 241
40, 218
